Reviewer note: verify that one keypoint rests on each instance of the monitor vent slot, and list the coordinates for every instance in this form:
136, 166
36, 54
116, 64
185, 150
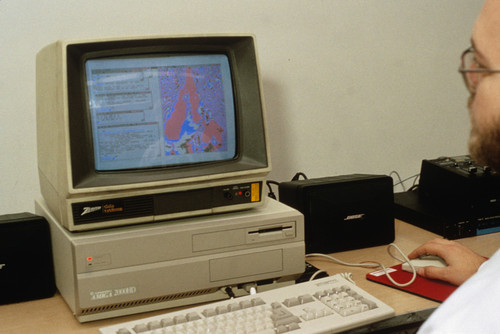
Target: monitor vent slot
146, 301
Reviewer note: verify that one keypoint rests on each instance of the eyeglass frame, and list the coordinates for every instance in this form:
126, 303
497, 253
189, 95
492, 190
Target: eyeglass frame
468, 83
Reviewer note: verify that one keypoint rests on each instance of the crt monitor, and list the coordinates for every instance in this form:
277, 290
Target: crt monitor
136, 130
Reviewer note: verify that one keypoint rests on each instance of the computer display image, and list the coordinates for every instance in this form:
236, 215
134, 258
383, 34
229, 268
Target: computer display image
160, 111
135, 130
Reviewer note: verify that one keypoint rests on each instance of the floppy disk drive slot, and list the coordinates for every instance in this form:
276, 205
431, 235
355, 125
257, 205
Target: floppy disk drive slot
270, 233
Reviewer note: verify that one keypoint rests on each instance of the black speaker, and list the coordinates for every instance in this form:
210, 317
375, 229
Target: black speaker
26, 266
343, 212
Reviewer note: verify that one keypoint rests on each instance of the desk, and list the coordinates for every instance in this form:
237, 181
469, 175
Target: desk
52, 315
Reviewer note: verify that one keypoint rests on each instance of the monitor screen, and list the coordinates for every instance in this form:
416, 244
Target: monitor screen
160, 110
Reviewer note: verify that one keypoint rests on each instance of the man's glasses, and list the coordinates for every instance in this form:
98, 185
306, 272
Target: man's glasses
471, 70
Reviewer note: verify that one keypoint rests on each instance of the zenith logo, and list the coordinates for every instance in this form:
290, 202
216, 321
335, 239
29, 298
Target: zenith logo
89, 209
355, 217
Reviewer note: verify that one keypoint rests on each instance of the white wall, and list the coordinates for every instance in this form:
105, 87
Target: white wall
350, 86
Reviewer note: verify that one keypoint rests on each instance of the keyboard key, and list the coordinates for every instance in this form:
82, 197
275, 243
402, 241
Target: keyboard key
304, 299
180, 319
166, 322
123, 331
141, 328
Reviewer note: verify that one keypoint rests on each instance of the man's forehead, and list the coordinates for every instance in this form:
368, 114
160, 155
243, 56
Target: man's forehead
490, 15
486, 33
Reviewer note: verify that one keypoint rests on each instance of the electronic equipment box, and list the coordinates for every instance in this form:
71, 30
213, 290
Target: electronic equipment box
343, 212
456, 198
26, 267
131, 269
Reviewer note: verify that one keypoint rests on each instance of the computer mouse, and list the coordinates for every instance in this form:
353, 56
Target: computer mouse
424, 261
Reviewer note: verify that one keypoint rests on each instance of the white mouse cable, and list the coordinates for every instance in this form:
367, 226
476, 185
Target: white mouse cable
373, 264
404, 260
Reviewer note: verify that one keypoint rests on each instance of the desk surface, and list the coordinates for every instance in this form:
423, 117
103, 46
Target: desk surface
52, 315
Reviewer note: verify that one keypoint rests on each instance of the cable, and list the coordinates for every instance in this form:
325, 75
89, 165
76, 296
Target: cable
399, 178
298, 175
271, 194
401, 182
348, 276
415, 181
374, 264
313, 276
366, 265
229, 292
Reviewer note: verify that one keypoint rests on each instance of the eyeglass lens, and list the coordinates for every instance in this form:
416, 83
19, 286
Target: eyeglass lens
469, 63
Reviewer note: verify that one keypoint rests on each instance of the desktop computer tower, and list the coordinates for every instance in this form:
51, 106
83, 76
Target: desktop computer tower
343, 212
131, 269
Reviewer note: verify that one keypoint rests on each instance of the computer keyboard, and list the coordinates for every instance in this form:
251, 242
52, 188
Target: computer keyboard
326, 305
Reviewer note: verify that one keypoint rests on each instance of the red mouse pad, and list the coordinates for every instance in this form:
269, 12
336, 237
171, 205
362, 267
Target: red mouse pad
432, 289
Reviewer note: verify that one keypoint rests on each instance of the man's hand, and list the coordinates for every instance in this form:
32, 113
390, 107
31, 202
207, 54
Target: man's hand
461, 261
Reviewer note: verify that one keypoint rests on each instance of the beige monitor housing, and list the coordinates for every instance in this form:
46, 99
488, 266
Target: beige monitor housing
82, 198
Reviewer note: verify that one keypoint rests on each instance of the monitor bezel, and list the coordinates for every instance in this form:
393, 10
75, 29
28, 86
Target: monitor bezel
251, 147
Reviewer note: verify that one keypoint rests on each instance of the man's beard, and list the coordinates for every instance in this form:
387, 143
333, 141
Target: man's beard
484, 144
